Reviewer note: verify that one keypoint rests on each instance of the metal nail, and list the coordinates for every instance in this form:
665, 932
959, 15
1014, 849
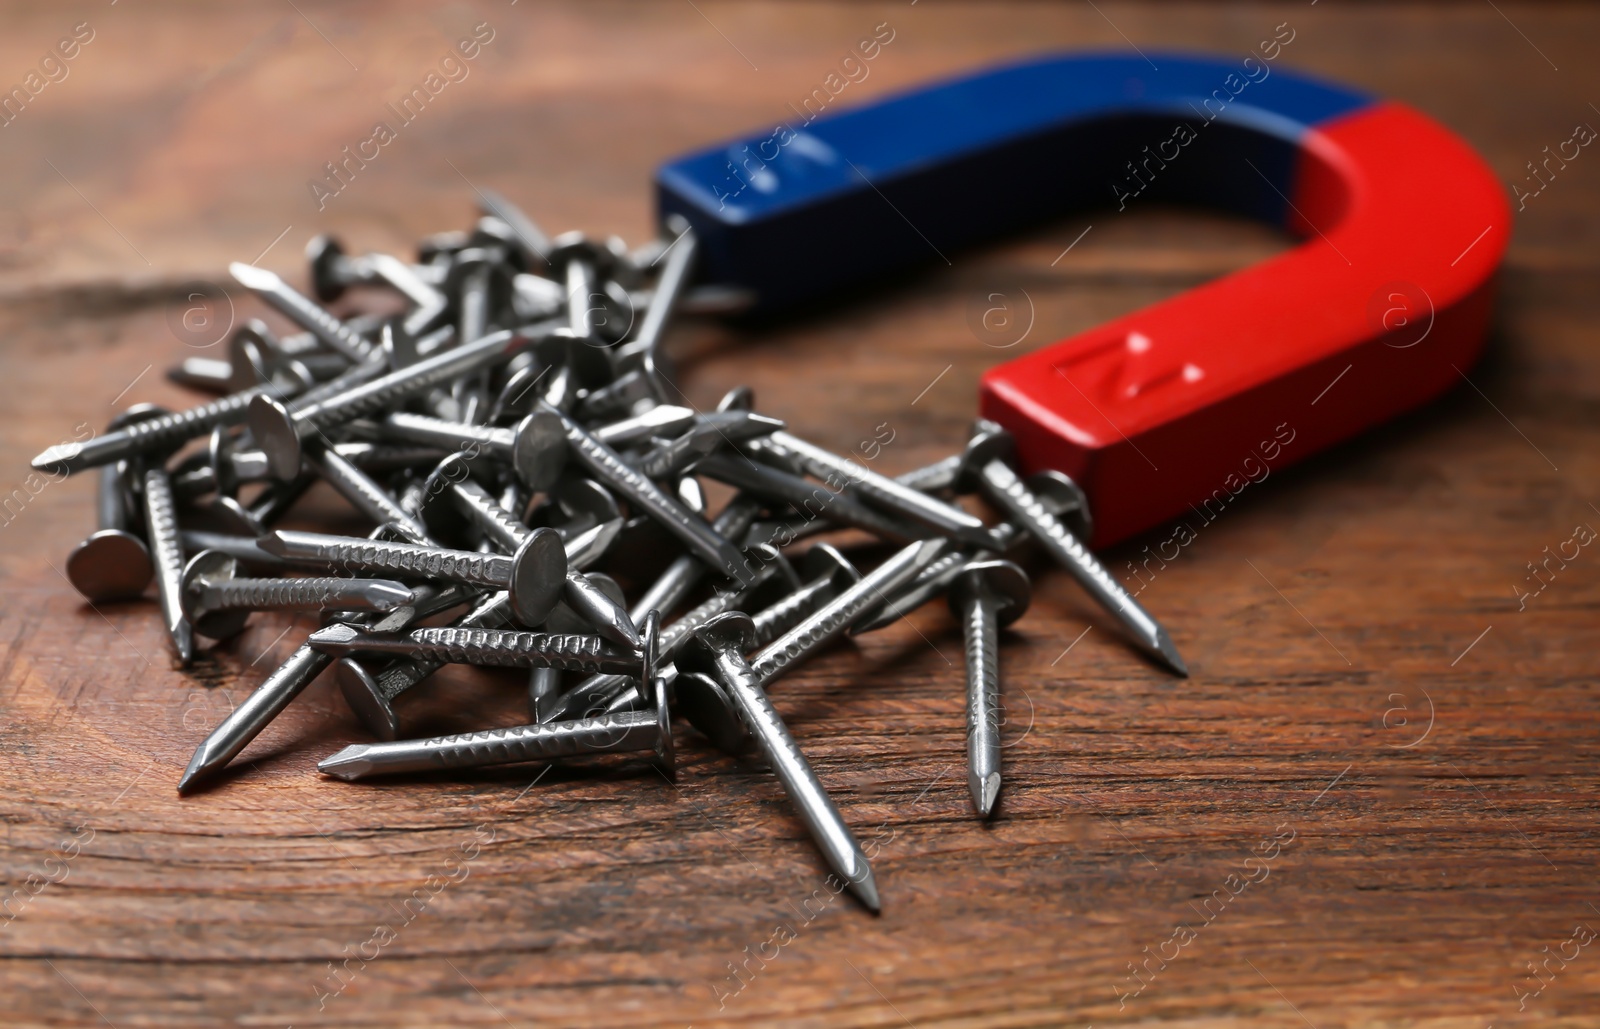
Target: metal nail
660, 420
210, 374
809, 499
155, 435
405, 281
112, 563
269, 505
604, 734
218, 601
831, 574
302, 310
536, 447
451, 488
931, 581
709, 711
719, 649
618, 692
669, 458
508, 648
875, 488
332, 272
534, 244
544, 686
983, 460
166, 554
287, 681
359, 488
534, 575
278, 428
244, 549
646, 349
701, 539
986, 596
371, 695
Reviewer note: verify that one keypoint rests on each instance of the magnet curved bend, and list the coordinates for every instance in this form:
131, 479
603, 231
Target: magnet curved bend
1179, 406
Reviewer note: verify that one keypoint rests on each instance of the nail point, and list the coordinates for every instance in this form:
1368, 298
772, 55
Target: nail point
866, 889
348, 764
985, 791
1168, 653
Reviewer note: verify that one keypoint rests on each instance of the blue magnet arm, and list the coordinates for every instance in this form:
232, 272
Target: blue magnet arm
835, 200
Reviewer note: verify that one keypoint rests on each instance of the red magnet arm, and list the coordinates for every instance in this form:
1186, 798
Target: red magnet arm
1384, 305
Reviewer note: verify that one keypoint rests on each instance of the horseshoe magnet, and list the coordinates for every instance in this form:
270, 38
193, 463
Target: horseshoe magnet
1382, 305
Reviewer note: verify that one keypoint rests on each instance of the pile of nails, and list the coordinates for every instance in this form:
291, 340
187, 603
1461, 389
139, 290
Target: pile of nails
513, 433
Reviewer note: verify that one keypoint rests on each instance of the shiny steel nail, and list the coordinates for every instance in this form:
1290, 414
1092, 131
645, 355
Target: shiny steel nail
660, 420
617, 692
709, 710
536, 447
371, 695
1007, 490
607, 466
150, 436
302, 310
113, 563
360, 488
278, 428
218, 601
986, 596
932, 581
719, 649
808, 498
450, 484
606, 734
286, 682
332, 271
879, 489
166, 553
534, 575
830, 574
534, 244
672, 457
210, 374
645, 348
506, 648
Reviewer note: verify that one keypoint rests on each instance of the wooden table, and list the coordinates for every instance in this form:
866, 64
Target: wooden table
1372, 707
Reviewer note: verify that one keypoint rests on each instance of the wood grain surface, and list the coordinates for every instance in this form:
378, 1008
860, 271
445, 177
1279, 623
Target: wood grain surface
1404, 751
